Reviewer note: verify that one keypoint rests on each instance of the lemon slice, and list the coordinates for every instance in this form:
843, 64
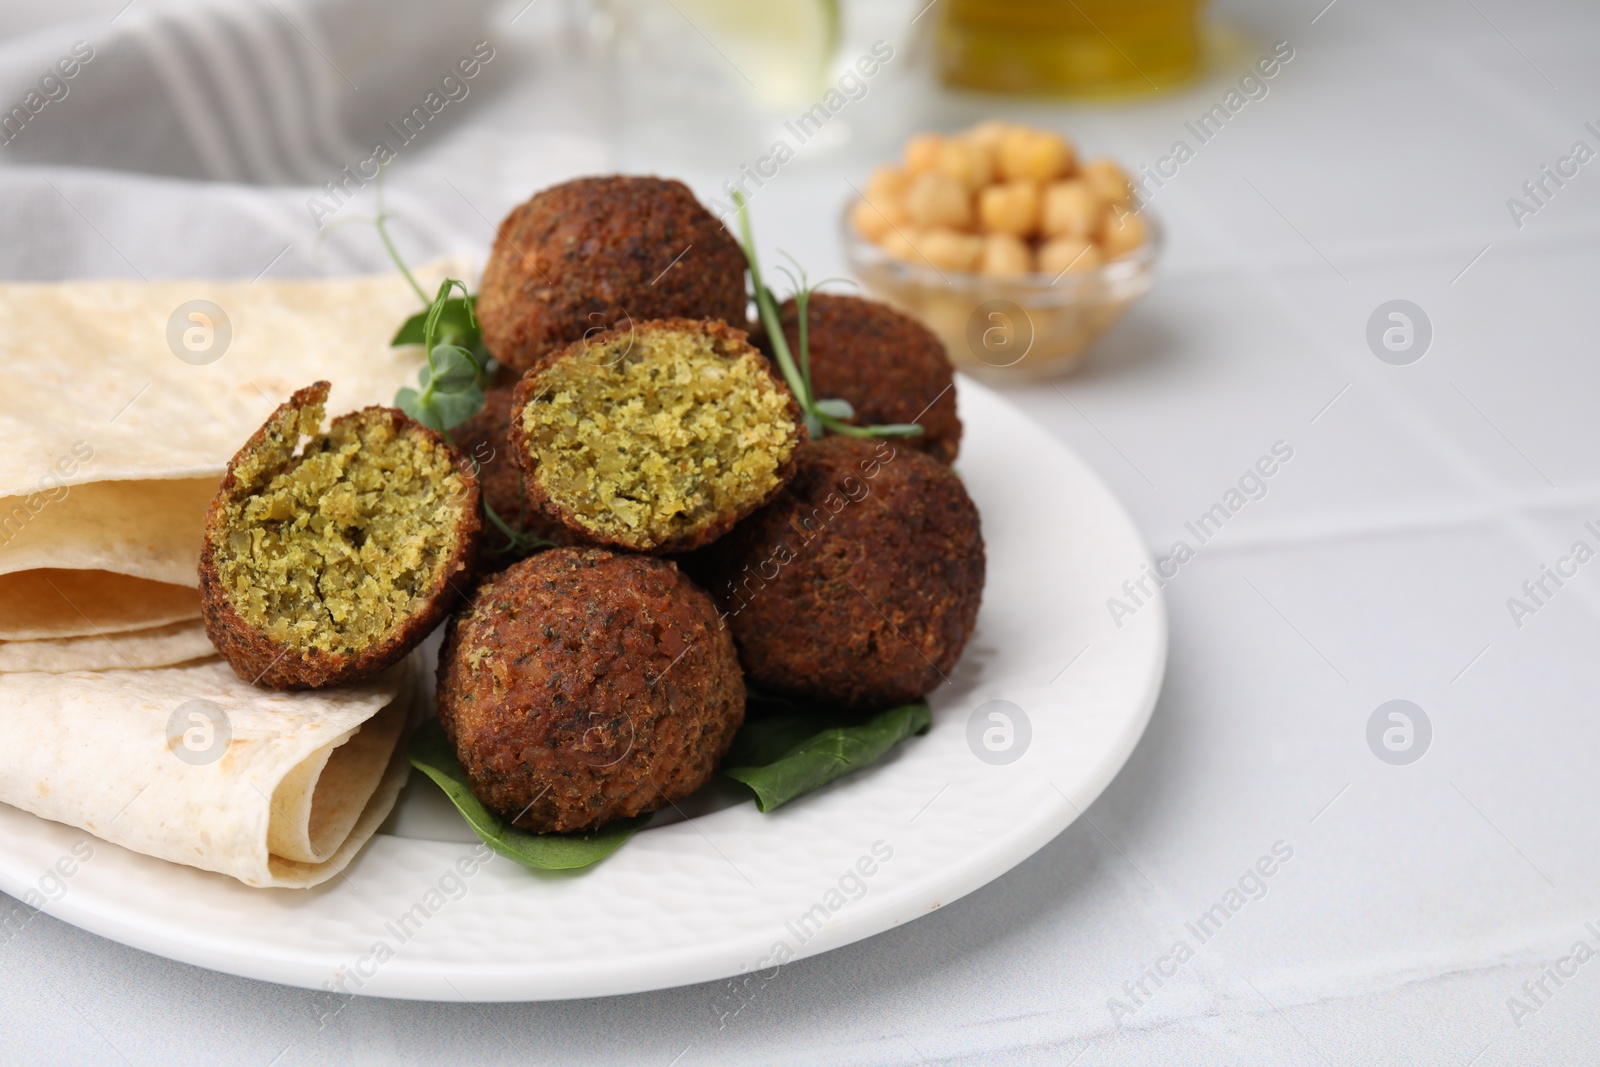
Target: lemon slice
781, 47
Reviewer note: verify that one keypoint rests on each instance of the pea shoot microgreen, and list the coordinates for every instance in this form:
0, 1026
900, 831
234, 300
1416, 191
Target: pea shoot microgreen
821, 415
452, 390
458, 370
517, 542
380, 222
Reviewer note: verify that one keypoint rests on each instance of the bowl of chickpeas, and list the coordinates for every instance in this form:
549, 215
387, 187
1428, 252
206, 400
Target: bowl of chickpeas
1018, 254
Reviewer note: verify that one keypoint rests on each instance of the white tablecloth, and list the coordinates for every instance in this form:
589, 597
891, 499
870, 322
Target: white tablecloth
1416, 900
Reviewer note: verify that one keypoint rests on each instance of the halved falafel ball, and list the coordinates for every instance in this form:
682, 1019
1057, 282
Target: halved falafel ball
583, 686
889, 366
656, 439
600, 253
485, 441
329, 565
859, 585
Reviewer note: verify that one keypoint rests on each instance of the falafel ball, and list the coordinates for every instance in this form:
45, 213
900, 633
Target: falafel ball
859, 585
327, 566
484, 439
656, 439
600, 253
584, 686
889, 366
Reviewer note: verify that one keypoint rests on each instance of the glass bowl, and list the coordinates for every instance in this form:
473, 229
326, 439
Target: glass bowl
1010, 330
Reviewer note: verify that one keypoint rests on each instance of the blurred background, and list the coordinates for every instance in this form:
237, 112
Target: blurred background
288, 95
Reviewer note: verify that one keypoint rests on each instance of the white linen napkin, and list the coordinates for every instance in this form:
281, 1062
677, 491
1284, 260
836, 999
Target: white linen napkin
199, 138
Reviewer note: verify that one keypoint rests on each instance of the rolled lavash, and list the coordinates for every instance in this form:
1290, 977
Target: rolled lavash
116, 432
193, 765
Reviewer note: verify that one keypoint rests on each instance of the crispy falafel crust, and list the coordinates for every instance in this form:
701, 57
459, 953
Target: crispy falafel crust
584, 685
860, 584
256, 655
600, 253
601, 353
889, 366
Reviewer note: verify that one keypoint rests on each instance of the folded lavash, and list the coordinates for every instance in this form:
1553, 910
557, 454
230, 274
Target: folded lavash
155, 646
114, 446
193, 765
115, 443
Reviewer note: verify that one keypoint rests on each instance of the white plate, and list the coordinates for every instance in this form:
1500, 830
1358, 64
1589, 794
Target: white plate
719, 893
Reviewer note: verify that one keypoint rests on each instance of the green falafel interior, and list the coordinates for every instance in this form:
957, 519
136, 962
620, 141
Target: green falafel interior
335, 548
646, 437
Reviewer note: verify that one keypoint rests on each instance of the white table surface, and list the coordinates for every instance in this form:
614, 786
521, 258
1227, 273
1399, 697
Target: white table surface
1418, 898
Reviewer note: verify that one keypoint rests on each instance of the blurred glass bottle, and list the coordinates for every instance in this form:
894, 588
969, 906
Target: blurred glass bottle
1082, 48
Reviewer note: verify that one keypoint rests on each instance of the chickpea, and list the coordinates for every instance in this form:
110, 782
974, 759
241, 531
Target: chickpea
1010, 207
870, 222
1121, 232
1068, 254
966, 162
887, 183
1036, 155
949, 250
988, 134
922, 152
938, 201
985, 139
1071, 209
1109, 181
901, 245
1005, 256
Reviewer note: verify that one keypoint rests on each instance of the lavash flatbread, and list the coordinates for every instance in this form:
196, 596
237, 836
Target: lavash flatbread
48, 603
113, 444
155, 646
149, 528
90, 361
306, 779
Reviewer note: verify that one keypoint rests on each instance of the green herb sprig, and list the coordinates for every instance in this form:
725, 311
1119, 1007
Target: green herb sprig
830, 415
459, 369
452, 386
452, 381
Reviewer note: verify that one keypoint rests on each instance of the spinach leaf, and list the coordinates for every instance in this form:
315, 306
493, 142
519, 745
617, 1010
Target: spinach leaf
430, 753
767, 738
782, 755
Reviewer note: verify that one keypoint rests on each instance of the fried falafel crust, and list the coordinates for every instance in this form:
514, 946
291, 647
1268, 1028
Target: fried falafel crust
254, 653
600, 352
583, 686
600, 253
860, 584
889, 366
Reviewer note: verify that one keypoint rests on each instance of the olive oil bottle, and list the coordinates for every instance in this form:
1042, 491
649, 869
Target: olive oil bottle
1081, 48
